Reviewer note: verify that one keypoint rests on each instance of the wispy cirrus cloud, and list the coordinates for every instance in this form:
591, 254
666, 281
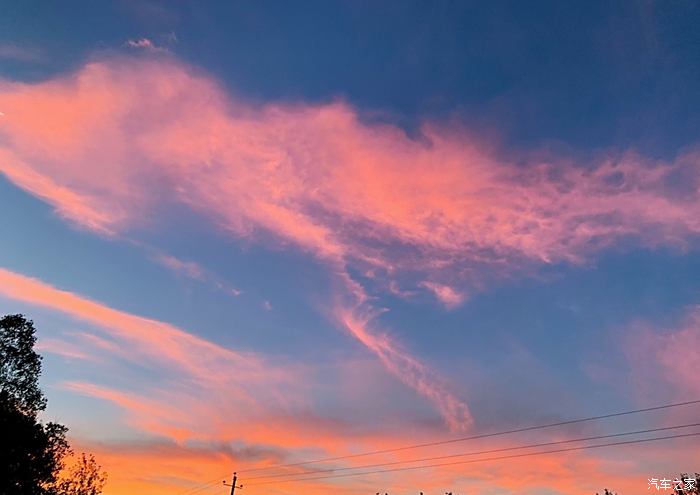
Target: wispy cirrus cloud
196, 361
194, 271
188, 268
145, 44
447, 295
666, 358
408, 369
197, 389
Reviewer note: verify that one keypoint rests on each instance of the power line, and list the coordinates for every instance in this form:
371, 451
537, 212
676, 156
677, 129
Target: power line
481, 452
455, 440
514, 456
202, 486
474, 437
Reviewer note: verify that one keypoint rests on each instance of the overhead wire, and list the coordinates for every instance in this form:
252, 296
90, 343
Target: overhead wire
513, 456
474, 437
202, 486
481, 452
211, 483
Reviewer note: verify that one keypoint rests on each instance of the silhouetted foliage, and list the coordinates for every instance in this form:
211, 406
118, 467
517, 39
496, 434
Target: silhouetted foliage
689, 485
694, 489
20, 365
84, 478
32, 453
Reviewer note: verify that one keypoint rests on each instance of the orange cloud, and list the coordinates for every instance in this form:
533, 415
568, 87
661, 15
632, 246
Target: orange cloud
160, 467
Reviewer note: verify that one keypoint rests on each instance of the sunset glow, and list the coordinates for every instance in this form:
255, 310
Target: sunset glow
253, 235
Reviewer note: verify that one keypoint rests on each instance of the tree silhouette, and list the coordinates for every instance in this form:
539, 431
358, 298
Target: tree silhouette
21, 365
84, 478
690, 485
33, 453
693, 489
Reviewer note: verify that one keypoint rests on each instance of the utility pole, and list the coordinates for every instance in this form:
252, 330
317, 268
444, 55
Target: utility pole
233, 484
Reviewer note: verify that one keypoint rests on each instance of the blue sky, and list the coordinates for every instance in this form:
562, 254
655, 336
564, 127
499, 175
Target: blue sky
388, 221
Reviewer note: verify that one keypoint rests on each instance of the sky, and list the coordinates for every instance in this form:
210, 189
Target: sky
261, 233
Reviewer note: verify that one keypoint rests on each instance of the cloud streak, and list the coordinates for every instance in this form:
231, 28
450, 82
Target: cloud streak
409, 370
194, 271
144, 44
196, 361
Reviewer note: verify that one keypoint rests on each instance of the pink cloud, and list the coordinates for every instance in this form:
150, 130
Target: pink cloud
448, 296
678, 355
144, 44
150, 414
194, 271
408, 369
199, 376
112, 143
188, 268
214, 369
62, 348
196, 361
667, 358
68, 203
